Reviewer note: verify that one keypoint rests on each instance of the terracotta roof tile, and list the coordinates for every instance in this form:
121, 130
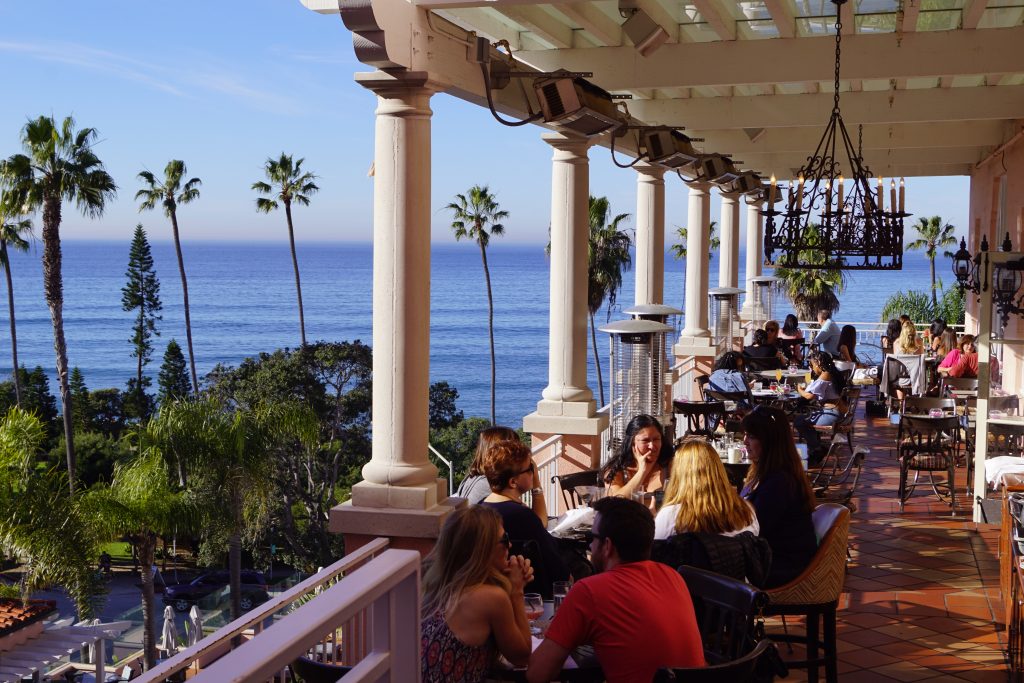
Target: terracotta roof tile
14, 615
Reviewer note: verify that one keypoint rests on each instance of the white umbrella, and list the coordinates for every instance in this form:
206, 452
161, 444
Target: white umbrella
92, 645
195, 618
170, 632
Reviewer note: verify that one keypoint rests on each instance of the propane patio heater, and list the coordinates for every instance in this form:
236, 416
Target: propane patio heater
764, 299
724, 317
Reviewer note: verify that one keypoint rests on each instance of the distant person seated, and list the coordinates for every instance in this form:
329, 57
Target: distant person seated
847, 344
637, 614
908, 343
510, 471
827, 337
826, 391
791, 339
947, 343
474, 488
642, 462
472, 600
778, 488
966, 364
892, 333
761, 349
935, 331
728, 374
699, 497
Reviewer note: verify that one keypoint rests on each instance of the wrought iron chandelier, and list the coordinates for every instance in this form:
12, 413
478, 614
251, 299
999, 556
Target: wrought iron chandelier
824, 224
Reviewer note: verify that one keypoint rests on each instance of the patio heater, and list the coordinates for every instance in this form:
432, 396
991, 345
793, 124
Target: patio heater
723, 312
764, 299
638, 367
660, 313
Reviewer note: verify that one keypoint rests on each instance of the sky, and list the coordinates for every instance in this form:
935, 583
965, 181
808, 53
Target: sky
225, 84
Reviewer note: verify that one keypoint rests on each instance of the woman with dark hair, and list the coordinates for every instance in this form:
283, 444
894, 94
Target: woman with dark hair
827, 391
892, 333
643, 461
777, 487
762, 349
474, 488
728, 374
791, 337
847, 343
935, 330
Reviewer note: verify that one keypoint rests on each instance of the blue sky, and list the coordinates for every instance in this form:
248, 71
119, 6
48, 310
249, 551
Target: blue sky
223, 85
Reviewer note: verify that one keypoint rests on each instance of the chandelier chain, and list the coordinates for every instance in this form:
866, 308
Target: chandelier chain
839, 34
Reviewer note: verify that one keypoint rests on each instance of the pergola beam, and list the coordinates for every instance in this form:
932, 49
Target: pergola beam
541, 24
723, 26
592, 20
785, 24
744, 62
972, 13
783, 111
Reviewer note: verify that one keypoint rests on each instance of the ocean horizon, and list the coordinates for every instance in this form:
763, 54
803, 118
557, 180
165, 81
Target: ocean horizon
243, 303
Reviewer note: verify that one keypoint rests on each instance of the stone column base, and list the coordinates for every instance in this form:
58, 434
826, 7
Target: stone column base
407, 529
568, 419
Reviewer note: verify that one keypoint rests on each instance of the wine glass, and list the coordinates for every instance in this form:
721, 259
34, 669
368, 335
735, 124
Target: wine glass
534, 604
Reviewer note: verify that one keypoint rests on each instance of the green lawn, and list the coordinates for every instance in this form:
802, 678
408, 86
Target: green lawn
119, 551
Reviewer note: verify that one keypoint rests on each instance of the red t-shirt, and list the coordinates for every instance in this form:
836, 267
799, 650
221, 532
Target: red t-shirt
638, 616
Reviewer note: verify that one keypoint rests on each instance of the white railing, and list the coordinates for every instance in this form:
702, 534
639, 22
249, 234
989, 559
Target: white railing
606, 435
547, 467
383, 595
446, 461
250, 625
682, 375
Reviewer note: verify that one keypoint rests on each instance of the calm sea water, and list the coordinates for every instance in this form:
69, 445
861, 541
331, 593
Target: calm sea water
243, 302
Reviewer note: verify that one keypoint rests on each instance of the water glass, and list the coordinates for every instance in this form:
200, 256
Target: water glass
559, 589
534, 603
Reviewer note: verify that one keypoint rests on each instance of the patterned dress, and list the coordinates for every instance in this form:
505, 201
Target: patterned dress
446, 659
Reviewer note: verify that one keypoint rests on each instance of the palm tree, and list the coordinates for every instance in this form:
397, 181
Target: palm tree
477, 217
289, 184
679, 249
933, 236
170, 193
812, 289
141, 504
12, 231
607, 256
58, 165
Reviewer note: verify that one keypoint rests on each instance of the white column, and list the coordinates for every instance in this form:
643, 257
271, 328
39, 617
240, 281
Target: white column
755, 253
650, 234
399, 475
697, 244
729, 254
567, 405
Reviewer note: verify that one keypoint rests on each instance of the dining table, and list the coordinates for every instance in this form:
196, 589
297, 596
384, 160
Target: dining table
581, 666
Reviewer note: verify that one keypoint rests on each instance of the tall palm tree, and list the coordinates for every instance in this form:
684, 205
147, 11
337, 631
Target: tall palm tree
933, 236
12, 232
607, 256
679, 248
58, 165
478, 217
289, 184
170, 193
813, 289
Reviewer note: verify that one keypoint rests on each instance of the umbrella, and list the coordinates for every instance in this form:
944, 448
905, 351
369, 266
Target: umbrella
92, 645
195, 618
170, 632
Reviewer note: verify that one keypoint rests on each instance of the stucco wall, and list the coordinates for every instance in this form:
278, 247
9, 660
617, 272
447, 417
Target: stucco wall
985, 220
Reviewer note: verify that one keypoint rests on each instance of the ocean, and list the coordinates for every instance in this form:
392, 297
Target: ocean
243, 302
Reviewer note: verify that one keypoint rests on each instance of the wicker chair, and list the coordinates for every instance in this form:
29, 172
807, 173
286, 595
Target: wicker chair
745, 668
815, 593
928, 445
833, 470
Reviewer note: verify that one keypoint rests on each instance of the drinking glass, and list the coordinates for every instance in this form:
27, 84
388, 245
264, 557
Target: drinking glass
774, 386
559, 589
534, 604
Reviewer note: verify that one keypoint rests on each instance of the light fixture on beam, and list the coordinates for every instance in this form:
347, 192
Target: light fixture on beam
670, 148
645, 33
745, 182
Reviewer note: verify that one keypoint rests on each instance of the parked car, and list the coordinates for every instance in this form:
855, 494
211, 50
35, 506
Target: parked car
220, 599
183, 595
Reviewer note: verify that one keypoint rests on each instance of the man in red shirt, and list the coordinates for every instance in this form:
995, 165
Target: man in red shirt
637, 614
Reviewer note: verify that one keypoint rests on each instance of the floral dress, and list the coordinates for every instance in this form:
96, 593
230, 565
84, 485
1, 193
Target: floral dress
446, 659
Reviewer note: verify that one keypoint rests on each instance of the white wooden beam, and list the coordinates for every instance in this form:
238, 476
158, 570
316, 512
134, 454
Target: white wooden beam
723, 25
593, 21
922, 55
911, 10
775, 111
488, 23
783, 18
538, 22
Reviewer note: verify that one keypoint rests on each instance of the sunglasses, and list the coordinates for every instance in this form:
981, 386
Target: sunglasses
505, 541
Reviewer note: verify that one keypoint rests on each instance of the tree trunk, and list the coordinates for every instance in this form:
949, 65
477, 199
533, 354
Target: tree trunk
146, 552
597, 360
10, 308
295, 265
935, 298
53, 287
138, 349
184, 296
490, 325
235, 555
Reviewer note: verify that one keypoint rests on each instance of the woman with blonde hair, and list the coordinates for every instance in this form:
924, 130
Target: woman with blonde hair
472, 600
474, 488
909, 342
699, 497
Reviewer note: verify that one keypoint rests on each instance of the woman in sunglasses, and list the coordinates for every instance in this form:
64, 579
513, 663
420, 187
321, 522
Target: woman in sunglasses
473, 600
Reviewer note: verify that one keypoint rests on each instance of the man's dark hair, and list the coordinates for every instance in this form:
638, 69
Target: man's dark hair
629, 525
825, 313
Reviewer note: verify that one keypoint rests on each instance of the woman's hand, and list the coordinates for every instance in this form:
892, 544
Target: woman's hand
519, 572
536, 476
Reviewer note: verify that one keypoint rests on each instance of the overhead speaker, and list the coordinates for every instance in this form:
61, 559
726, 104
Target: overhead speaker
576, 105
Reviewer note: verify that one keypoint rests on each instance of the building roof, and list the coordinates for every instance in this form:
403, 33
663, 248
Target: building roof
15, 615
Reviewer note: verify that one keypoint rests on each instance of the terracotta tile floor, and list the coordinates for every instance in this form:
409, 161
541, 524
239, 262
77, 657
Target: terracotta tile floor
921, 599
